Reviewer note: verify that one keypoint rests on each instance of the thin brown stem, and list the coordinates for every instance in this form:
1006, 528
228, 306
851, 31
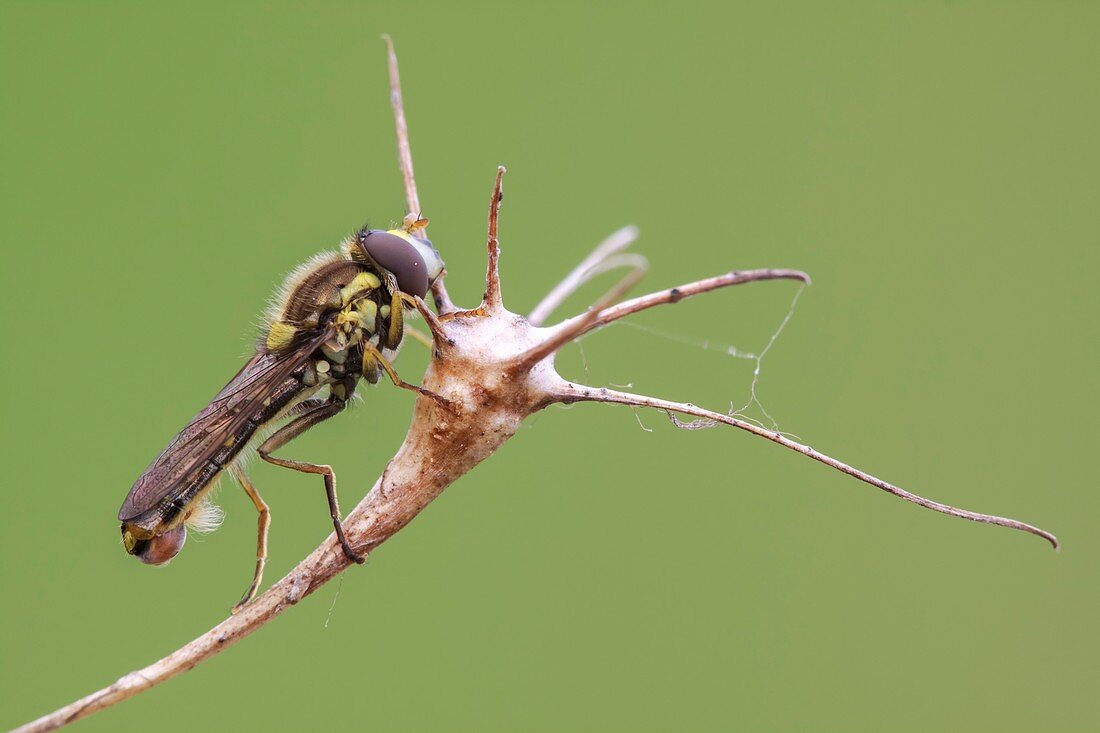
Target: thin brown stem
404, 151
570, 393
582, 273
637, 265
325, 562
492, 300
443, 301
582, 324
604, 311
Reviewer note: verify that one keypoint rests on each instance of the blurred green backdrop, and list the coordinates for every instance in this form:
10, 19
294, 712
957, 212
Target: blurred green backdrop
932, 165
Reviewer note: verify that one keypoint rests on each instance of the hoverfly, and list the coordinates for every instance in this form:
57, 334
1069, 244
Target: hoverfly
338, 318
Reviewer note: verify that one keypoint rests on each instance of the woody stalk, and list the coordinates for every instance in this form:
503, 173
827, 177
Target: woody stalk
493, 368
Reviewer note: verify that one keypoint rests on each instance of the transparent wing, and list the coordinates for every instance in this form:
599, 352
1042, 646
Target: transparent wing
186, 464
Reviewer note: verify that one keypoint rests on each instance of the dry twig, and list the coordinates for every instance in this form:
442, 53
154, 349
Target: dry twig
494, 368
404, 159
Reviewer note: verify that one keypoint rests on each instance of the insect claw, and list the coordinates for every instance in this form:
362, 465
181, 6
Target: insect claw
246, 599
439, 399
354, 556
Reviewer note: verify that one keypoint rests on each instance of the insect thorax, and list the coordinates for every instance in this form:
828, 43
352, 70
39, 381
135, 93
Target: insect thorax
331, 290
328, 288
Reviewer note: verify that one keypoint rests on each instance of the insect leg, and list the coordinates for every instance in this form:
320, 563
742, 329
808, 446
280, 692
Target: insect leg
372, 369
434, 322
397, 321
263, 523
292, 430
371, 355
420, 337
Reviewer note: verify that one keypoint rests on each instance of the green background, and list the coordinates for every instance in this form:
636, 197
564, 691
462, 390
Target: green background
932, 165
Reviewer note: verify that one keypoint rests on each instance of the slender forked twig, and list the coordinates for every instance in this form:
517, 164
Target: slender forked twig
560, 336
571, 392
605, 311
589, 267
582, 324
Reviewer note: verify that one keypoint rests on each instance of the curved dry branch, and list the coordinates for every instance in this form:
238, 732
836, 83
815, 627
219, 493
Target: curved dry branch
307, 576
443, 442
481, 409
570, 393
589, 267
603, 312
582, 324
559, 336
484, 400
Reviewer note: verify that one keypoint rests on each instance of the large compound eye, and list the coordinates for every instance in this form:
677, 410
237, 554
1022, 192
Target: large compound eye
161, 548
400, 257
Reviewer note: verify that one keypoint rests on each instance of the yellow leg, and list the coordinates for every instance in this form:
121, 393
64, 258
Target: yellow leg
263, 524
433, 322
371, 352
289, 432
392, 337
372, 370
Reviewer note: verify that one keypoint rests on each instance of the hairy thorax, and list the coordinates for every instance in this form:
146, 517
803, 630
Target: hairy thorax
331, 289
